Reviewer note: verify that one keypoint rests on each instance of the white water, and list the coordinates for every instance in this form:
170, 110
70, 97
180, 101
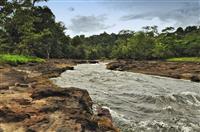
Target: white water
139, 102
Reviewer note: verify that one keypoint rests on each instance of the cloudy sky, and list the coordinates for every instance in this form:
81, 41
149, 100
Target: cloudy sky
95, 16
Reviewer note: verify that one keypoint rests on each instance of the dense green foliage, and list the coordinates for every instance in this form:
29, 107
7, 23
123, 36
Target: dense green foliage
31, 30
146, 44
18, 59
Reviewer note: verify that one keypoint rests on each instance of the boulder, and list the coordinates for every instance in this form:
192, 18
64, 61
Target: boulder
116, 66
103, 112
93, 61
195, 78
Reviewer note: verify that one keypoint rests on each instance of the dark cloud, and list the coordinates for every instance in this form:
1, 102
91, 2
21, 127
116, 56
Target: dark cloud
88, 24
185, 15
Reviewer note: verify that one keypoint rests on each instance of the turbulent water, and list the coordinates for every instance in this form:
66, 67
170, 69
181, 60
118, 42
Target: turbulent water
139, 102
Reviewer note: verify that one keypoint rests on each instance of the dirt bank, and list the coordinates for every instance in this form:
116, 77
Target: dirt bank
31, 103
179, 70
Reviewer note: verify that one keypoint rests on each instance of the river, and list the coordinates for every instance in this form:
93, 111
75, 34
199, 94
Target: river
139, 102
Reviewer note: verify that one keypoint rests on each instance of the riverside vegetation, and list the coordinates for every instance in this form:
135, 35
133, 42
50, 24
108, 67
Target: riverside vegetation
29, 29
18, 59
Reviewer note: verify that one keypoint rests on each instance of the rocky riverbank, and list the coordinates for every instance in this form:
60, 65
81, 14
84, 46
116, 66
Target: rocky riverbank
30, 102
179, 70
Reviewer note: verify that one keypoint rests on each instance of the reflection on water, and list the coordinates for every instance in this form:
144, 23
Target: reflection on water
139, 102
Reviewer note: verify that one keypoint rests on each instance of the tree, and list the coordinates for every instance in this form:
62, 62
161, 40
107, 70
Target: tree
28, 29
120, 50
168, 30
141, 46
31, 30
151, 30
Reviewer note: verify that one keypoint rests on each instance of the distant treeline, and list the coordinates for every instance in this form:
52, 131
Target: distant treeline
32, 30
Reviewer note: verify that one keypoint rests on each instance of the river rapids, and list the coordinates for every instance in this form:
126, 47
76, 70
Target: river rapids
139, 102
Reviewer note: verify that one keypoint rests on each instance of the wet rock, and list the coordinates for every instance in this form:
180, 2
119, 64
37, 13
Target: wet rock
80, 61
104, 112
59, 70
51, 72
7, 115
116, 66
106, 124
177, 76
85, 61
104, 120
68, 68
49, 92
195, 78
93, 61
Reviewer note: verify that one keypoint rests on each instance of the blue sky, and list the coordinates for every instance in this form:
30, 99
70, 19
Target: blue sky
96, 16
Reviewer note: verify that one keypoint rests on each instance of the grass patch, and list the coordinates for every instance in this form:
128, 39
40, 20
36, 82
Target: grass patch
18, 59
185, 59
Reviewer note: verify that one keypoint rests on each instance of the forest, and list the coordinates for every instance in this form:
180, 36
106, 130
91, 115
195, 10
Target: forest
32, 30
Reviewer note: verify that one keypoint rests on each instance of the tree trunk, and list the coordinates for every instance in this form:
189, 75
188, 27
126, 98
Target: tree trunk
48, 54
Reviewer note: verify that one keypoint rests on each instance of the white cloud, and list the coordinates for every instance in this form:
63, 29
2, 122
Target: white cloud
88, 24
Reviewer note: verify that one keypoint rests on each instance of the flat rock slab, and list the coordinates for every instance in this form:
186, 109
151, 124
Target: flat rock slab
30, 102
179, 70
